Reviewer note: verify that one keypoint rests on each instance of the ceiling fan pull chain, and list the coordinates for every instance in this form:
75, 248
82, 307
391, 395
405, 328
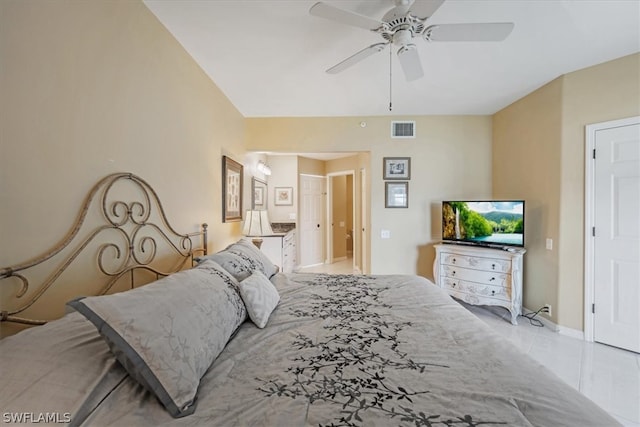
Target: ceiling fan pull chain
390, 78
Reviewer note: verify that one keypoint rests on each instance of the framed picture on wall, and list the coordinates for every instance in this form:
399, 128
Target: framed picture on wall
283, 196
396, 194
259, 194
397, 168
231, 190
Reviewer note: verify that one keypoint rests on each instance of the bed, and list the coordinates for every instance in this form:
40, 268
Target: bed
231, 341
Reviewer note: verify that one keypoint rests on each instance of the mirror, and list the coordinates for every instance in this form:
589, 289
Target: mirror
258, 194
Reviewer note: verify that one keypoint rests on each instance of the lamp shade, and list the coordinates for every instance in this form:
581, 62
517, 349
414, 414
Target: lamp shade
256, 223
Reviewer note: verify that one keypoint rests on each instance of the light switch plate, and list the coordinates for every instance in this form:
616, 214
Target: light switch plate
385, 234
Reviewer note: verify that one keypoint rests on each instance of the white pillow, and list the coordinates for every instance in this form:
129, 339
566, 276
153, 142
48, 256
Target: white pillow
168, 333
260, 297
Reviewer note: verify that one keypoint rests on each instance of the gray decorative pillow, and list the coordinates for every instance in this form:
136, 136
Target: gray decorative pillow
167, 334
260, 297
241, 259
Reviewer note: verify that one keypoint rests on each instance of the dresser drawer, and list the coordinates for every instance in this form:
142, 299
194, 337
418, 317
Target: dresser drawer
476, 289
485, 277
289, 238
478, 263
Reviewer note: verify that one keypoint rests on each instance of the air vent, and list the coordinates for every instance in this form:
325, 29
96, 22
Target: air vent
403, 129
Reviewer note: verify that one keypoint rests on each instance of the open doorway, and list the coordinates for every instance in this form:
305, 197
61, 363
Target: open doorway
342, 239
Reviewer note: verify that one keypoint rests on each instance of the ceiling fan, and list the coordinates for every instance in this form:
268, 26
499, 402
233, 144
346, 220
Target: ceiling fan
404, 23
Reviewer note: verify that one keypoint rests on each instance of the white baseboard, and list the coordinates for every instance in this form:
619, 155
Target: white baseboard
570, 332
546, 322
563, 330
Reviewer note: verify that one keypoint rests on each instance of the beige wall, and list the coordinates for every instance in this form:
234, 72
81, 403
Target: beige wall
526, 165
311, 166
451, 158
95, 87
539, 151
284, 175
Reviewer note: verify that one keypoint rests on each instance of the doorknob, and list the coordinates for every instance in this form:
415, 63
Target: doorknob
318, 225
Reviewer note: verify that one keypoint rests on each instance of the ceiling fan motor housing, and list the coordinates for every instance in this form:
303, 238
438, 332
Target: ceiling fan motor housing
400, 31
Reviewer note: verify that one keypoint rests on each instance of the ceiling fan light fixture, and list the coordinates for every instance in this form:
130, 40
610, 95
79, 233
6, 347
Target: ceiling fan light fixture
402, 37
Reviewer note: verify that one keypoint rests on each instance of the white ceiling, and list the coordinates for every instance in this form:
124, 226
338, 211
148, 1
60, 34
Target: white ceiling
269, 56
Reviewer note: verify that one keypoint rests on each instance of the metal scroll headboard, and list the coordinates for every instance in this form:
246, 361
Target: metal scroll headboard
130, 237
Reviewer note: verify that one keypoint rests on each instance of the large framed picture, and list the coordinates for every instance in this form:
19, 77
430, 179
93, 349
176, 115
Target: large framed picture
396, 194
397, 168
231, 190
283, 196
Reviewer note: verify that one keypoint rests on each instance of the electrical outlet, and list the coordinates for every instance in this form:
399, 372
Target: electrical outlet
548, 309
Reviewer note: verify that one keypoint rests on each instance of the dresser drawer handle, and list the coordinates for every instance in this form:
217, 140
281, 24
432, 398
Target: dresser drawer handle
493, 292
492, 279
454, 260
453, 273
453, 285
493, 266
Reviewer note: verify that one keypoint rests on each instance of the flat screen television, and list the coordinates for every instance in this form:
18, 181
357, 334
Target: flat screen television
493, 223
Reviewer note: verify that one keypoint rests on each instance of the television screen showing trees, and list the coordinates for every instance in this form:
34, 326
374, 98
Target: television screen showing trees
484, 222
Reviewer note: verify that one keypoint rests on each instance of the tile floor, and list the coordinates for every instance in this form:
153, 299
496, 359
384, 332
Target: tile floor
607, 375
340, 267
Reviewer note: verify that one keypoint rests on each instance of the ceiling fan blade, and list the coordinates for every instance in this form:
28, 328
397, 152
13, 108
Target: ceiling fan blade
489, 32
425, 8
410, 62
347, 17
354, 59
400, 11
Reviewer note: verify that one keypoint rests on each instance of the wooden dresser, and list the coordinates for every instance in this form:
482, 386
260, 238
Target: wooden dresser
481, 276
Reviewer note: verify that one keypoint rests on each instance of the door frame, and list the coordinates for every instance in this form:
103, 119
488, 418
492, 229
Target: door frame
329, 214
364, 266
589, 209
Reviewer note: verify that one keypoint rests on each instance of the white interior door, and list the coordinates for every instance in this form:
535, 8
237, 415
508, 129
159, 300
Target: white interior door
311, 220
616, 248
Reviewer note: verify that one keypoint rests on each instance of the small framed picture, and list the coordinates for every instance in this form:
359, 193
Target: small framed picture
231, 190
396, 194
397, 168
283, 196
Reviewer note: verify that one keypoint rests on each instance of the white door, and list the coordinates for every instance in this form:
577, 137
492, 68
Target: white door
616, 250
311, 220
